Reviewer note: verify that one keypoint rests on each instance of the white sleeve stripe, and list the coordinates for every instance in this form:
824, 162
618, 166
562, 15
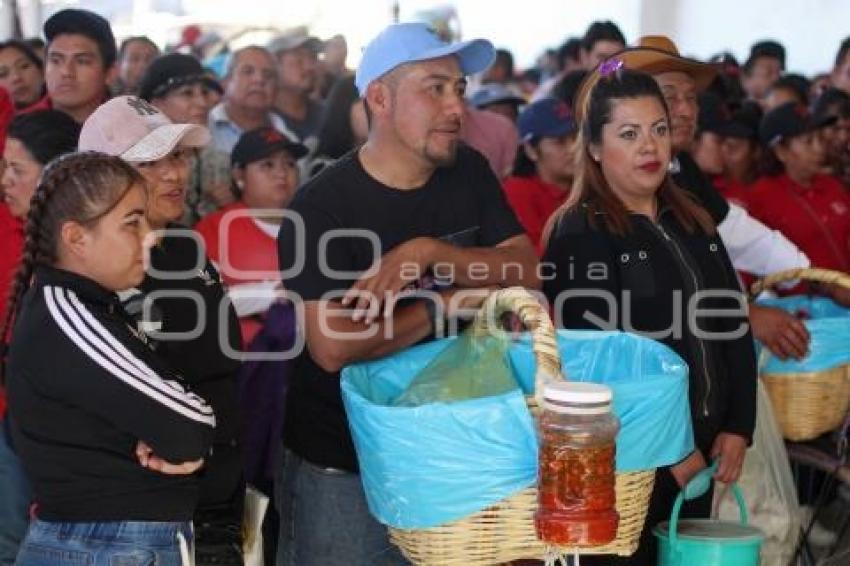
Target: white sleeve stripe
59, 313
151, 379
117, 346
168, 388
76, 310
67, 328
121, 355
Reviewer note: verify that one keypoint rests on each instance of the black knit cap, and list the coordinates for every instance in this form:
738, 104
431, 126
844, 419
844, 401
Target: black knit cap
172, 71
85, 23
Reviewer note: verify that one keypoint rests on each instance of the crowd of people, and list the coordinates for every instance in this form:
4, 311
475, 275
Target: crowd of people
156, 217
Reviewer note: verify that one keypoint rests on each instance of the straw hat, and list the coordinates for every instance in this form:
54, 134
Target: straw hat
658, 54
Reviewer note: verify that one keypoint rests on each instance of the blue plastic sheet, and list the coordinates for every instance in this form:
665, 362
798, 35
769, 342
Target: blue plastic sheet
428, 465
829, 327
650, 386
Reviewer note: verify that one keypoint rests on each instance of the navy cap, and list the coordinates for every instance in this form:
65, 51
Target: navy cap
410, 42
495, 93
546, 118
260, 143
789, 120
85, 23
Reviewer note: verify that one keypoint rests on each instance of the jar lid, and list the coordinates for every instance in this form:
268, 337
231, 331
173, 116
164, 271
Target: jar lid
571, 396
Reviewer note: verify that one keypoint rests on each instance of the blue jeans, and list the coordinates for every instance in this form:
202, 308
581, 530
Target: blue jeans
128, 543
14, 501
324, 520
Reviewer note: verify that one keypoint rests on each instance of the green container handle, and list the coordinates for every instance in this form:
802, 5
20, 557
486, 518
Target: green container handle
697, 487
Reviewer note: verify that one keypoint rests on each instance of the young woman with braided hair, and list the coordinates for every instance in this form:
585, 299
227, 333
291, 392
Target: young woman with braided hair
108, 436
32, 141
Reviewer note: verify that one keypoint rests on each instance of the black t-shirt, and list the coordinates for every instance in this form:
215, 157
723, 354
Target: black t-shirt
462, 204
692, 179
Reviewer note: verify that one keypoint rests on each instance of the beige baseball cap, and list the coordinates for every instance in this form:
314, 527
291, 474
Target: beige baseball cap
136, 131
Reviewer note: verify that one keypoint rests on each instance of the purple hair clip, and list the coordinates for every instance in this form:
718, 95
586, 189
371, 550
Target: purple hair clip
610, 66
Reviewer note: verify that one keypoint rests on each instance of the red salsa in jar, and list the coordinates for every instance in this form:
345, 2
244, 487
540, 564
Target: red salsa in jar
576, 475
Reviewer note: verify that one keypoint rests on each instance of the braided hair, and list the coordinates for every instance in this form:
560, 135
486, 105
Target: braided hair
81, 187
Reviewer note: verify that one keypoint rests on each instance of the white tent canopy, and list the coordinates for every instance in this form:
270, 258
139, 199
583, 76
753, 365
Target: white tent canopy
700, 28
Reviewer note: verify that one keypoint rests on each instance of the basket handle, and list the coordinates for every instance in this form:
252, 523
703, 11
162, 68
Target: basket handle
806, 274
535, 318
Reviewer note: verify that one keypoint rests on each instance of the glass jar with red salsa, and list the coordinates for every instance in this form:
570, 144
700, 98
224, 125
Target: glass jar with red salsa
576, 502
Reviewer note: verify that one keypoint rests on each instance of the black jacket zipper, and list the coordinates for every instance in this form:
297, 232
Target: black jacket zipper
700, 349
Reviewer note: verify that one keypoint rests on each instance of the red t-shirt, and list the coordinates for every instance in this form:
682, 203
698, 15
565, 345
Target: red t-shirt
11, 246
816, 219
237, 247
43, 103
733, 191
533, 202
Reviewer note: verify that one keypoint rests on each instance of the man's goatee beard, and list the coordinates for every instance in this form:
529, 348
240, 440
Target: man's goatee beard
444, 160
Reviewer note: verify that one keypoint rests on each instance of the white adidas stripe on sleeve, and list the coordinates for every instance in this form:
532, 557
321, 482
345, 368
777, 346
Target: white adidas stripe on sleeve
70, 300
106, 357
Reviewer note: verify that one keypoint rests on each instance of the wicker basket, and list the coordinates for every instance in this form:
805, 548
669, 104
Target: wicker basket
810, 274
809, 404
505, 531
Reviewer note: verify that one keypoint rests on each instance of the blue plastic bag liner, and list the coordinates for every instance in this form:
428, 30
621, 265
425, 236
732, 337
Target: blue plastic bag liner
650, 386
829, 327
428, 465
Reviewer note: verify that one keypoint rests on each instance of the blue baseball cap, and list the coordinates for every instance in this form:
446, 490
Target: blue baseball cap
405, 43
546, 118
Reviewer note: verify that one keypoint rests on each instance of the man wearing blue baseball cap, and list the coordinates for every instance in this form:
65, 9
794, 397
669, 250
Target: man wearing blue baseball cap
421, 210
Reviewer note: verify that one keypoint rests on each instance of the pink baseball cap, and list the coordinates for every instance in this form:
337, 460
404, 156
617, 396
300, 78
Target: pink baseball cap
136, 131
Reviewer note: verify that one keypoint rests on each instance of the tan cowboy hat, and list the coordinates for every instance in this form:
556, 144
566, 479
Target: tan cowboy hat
658, 54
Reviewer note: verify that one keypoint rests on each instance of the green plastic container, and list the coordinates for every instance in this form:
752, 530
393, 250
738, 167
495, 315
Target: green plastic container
707, 542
